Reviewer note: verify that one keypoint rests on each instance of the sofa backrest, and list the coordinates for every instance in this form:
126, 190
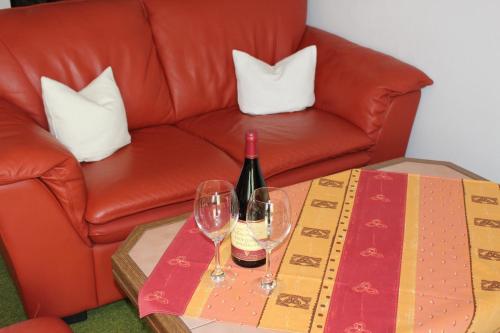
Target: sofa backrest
195, 38
73, 42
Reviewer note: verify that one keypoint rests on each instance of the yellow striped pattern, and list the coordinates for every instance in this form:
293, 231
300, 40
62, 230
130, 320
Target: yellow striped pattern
406, 303
303, 293
482, 201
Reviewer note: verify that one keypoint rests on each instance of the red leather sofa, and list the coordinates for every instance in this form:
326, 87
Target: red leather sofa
38, 325
60, 221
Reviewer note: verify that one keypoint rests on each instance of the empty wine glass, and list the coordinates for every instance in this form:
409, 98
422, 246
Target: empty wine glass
268, 219
216, 211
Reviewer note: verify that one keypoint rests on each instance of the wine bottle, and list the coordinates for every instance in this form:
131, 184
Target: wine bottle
245, 251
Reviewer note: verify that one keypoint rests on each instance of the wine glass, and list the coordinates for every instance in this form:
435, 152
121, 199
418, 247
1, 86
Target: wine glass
216, 212
268, 219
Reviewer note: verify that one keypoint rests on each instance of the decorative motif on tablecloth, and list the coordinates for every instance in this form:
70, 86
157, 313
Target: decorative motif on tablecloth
383, 176
340, 293
376, 223
294, 301
380, 197
488, 254
481, 210
487, 223
156, 296
330, 183
365, 287
324, 204
484, 200
179, 261
371, 252
358, 327
490, 285
316, 233
194, 231
301, 260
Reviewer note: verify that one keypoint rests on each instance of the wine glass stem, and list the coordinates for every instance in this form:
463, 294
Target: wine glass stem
268, 278
218, 269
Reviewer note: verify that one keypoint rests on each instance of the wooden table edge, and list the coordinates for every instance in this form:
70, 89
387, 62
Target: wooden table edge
450, 165
128, 276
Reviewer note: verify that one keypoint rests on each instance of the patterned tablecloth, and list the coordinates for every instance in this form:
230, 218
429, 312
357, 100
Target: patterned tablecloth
370, 252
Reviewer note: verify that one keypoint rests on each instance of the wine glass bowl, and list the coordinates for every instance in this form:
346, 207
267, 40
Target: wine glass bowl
268, 219
216, 212
213, 212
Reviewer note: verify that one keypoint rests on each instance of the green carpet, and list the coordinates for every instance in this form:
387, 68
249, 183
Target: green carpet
112, 318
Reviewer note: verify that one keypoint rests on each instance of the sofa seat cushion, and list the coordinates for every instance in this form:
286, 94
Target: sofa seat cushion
163, 165
286, 141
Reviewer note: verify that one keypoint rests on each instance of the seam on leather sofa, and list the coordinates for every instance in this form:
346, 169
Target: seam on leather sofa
208, 141
16, 61
155, 45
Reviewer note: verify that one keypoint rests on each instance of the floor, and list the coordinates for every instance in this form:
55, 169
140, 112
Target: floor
117, 317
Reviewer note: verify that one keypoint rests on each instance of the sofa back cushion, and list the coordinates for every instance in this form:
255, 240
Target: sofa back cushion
195, 39
73, 42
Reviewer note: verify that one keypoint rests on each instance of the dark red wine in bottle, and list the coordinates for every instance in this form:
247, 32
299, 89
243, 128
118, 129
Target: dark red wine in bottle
245, 251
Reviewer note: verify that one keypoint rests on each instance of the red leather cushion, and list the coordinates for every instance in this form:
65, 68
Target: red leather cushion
118, 229
73, 42
357, 83
195, 39
38, 325
163, 165
286, 141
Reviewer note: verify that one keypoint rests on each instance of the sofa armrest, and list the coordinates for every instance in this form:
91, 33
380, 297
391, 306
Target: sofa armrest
357, 83
28, 151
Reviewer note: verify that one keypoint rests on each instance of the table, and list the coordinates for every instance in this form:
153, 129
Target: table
138, 255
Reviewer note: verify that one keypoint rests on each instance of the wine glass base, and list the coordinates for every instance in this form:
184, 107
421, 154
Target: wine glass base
268, 286
224, 280
218, 278
265, 289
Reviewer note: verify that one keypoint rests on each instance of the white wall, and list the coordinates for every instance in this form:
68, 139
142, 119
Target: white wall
4, 4
457, 43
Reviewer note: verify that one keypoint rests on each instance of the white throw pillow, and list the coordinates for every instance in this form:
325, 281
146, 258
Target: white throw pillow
285, 87
91, 123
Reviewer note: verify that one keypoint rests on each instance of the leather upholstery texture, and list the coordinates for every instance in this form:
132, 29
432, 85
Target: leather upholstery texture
73, 42
316, 170
52, 266
118, 229
357, 83
38, 325
28, 151
162, 166
195, 39
285, 141
107, 288
60, 221
396, 127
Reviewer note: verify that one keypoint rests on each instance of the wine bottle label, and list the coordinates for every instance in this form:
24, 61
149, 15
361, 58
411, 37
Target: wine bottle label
243, 246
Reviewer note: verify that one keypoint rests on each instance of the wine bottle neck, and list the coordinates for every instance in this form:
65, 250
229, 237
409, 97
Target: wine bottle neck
251, 150
251, 145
